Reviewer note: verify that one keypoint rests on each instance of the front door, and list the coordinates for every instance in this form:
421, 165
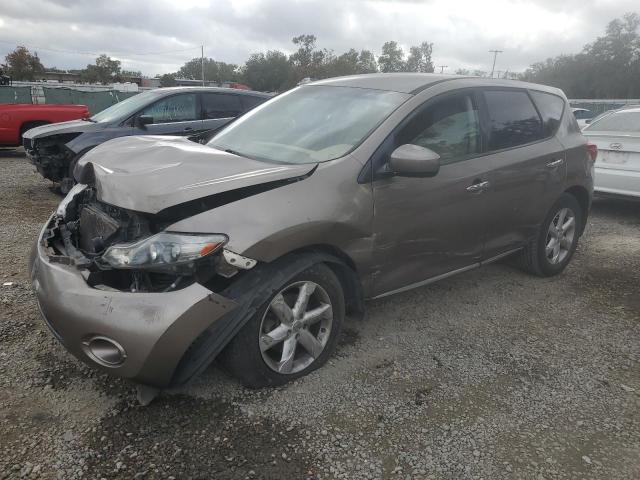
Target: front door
175, 115
429, 227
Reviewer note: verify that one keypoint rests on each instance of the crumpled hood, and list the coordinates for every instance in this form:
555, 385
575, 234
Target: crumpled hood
72, 126
152, 173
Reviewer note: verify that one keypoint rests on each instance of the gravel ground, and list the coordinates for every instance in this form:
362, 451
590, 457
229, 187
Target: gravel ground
492, 374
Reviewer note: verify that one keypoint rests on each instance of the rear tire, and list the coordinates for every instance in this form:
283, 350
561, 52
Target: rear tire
552, 249
277, 345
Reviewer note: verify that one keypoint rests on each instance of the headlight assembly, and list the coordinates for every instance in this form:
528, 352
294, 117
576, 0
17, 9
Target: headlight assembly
163, 250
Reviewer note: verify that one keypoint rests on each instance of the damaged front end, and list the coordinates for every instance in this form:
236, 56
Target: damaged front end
51, 155
131, 298
123, 250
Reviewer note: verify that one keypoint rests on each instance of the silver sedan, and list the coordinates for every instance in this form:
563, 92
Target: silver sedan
617, 166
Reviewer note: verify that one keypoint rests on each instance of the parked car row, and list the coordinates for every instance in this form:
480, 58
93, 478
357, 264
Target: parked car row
251, 248
186, 111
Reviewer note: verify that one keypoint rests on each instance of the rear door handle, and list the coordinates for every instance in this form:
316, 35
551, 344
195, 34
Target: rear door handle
478, 187
187, 129
555, 163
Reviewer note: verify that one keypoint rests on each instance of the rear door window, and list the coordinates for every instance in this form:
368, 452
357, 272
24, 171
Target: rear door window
513, 119
177, 108
220, 105
249, 101
550, 107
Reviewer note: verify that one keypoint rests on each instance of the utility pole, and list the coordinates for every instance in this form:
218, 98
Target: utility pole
495, 54
442, 67
202, 62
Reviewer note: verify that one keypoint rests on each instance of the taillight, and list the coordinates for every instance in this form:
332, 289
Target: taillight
592, 150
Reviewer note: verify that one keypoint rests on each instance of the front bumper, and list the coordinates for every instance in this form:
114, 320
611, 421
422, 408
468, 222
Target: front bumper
153, 329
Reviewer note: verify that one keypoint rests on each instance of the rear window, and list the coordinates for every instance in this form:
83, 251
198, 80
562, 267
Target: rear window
550, 107
514, 119
618, 122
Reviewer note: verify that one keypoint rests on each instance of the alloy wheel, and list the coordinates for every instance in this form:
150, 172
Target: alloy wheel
295, 328
560, 236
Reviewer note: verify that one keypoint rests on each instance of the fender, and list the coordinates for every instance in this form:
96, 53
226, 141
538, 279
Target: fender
250, 292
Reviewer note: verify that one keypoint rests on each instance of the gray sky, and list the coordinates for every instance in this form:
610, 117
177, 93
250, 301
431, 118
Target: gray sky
140, 33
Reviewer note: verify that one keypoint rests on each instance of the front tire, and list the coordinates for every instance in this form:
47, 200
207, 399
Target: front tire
552, 249
293, 333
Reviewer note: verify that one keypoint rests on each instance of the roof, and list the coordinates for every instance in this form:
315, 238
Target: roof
413, 83
235, 91
397, 82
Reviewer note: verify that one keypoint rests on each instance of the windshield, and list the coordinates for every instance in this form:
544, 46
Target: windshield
308, 124
617, 122
126, 107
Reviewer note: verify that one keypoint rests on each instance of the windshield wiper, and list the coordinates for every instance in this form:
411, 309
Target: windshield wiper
235, 152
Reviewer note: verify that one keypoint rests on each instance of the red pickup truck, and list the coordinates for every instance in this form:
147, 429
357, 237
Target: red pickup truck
15, 119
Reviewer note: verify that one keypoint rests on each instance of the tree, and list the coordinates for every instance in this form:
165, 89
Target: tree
22, 65
463, 71
268, 72
130, 73
303, 57
607, 68
367, 62
168, 80
106, 70
392, 58
420, 58
213, 71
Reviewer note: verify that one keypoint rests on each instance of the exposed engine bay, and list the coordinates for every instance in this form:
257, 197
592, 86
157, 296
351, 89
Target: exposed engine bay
83, 229
51, 156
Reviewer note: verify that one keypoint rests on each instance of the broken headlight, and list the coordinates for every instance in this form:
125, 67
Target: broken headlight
163, 250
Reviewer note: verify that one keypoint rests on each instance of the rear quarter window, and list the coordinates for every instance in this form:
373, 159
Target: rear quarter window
513, 119
550, 107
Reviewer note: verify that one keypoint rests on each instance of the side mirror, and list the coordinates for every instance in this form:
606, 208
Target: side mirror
587, 121
143, 120
414, 161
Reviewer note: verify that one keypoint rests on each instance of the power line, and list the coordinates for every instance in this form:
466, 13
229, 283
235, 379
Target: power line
46, 49
495, 54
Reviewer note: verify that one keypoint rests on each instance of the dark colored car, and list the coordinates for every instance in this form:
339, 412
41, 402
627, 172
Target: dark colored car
185, 111
169, 254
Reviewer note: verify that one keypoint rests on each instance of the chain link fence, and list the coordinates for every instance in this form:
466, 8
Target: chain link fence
96, 101
15, 94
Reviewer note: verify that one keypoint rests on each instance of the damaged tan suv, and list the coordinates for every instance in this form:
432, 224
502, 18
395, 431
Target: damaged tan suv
168, 254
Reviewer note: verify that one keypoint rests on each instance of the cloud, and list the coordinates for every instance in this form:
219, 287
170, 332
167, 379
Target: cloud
68, 33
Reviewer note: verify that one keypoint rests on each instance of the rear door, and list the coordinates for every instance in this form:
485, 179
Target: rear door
174, 115
526, 163
218, 109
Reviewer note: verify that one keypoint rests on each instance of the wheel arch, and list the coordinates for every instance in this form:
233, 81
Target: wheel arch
29, 124
251, 289
344, 268
583, 198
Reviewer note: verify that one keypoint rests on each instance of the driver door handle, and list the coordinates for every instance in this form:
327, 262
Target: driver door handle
187, 129
478, 187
